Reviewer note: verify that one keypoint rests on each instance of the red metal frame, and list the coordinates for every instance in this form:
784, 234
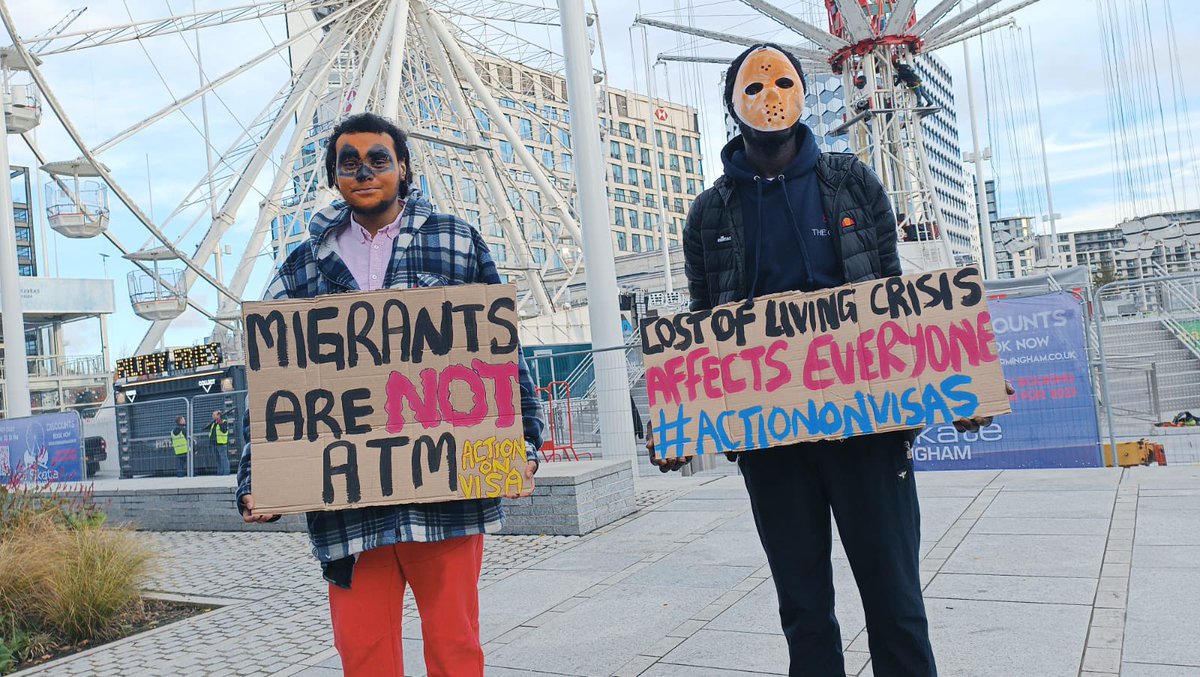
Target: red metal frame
554, 448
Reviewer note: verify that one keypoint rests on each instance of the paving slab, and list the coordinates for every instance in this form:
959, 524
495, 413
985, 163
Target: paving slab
1070, 556
987, 524
1162, 617
1129, 669
508, 603
1059, 479
1032, 589
612, 628
1157, 526
726, 650
1166, 556
1076, 504
989, 639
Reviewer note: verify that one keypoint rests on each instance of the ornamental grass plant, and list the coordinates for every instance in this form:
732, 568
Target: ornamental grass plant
68, 579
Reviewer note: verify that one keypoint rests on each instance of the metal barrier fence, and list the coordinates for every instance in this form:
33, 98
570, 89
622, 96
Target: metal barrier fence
139, 438
1147, 359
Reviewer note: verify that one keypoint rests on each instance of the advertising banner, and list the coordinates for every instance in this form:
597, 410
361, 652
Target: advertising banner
375, 398
897, 353
1043, 349
42, 449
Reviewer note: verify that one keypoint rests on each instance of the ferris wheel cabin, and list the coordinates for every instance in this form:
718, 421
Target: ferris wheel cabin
22, 108
76, 209
160, 294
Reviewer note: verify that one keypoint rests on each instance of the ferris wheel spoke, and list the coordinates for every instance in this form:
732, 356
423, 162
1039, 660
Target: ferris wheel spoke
820, 37
223, 79
315, 68
898, 20
179, 23
939, 38
802, 52
935, 15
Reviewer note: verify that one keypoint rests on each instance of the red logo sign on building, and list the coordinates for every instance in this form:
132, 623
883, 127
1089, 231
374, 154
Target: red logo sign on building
661, 114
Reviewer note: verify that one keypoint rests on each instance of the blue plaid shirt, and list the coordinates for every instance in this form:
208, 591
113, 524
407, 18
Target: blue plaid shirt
430, 250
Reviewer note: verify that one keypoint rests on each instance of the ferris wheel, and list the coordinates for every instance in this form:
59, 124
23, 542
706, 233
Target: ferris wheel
250, 91
875, 47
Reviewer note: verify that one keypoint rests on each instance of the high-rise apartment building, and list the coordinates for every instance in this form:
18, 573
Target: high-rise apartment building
826, 108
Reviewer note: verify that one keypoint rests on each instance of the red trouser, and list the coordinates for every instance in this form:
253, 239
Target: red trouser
445, 582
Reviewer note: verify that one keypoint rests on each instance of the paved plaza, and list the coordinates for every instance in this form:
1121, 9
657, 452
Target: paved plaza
1028, 572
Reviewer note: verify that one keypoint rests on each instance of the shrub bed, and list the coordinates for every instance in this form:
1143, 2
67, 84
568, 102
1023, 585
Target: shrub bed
68, 580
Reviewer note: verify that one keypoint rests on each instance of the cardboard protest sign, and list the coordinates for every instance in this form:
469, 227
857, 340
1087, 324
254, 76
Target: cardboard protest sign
376, 398
901, 352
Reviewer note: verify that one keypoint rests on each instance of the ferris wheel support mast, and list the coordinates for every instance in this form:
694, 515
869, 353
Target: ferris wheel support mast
317, 65
374, 65
391, 86
467, 70
483, 159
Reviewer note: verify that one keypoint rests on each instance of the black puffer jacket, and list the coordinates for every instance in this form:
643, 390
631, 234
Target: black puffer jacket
714, 238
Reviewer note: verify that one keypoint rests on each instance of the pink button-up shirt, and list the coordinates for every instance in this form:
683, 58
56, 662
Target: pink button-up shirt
367, 257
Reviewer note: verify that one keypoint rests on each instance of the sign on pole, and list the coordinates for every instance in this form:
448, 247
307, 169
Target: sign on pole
1043, 349
901, 352
377, 398
42, 449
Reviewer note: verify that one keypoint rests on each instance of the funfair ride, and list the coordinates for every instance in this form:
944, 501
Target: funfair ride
867, 43
427, 64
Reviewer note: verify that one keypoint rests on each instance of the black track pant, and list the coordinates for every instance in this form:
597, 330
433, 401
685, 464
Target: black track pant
868, 483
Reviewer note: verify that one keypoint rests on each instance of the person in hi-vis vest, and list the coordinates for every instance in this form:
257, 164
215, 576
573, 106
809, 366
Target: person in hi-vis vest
218, 436
179, 444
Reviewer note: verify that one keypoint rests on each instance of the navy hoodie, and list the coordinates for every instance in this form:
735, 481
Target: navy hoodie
789, 247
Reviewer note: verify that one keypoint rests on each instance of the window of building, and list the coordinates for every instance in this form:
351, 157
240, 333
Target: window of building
687, 144
633, 176
633, 218
506, 151
622, 104
535, 200
26, 269
526, 128
564, 137
544, 135
548, 159
647, 180
618, 174
619, 217
658, 138
24, 234
630, 153
646, 156
499, 251
637, 242
674, 163
493, 225
470, 192
675, 184
24, 251
648, 221
614, 150
691, 185
621, 246
623, 130
634, 196
507, 102
640, 131
514, 199
672, 141
481, 118
679, 205
539, 254
618, 195
472, 216
661, 161
688, 165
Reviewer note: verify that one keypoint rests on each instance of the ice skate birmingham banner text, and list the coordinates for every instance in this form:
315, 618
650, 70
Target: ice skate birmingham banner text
1043, 349
901, 352
376, 398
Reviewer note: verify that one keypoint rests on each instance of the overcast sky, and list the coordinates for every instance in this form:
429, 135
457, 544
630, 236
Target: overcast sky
105, 90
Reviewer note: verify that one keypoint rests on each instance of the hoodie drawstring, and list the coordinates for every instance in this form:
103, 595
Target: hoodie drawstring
757, 242
758, 184
796, 227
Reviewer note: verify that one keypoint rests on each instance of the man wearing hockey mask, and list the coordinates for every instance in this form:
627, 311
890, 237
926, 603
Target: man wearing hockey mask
787, 217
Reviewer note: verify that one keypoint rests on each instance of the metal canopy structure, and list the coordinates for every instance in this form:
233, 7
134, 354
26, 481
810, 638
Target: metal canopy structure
866, 42
422, 62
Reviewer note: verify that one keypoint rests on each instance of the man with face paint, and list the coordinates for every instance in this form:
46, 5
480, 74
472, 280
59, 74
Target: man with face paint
787, 217
382, 236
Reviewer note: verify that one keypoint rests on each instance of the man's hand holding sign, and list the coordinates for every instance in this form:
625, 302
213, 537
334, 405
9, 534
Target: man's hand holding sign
894, 353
